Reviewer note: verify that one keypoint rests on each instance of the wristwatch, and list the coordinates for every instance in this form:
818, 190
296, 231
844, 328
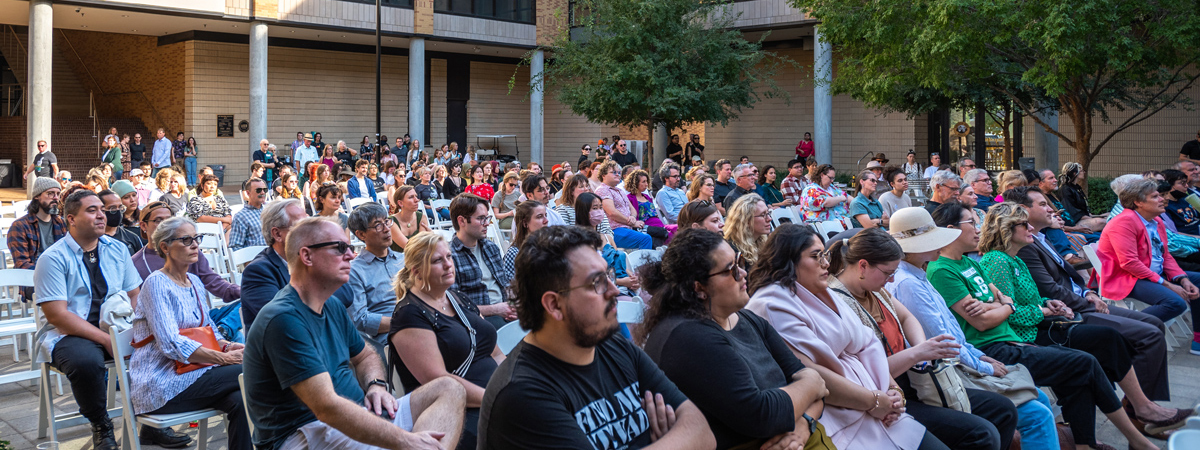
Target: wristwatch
377, 382
812, 423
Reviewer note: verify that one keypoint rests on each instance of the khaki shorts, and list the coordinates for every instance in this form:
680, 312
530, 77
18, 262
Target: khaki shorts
318, 435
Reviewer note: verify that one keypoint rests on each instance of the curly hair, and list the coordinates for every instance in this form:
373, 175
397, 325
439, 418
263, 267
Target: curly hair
324, 191
672, 281
739, 229
998, 226
632, 180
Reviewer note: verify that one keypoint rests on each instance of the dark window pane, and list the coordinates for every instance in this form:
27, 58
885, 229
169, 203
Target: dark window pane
485, 8
461, 6
441, 5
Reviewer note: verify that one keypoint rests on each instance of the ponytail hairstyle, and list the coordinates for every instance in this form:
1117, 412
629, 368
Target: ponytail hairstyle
417, 259
777, 263
520, 224
674, 280
872, 245
1070, 171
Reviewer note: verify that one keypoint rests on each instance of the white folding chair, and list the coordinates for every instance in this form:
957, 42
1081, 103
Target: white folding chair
48, 421
122, 344
214, 244
1170, 326
778, 215
17, 329
21, 206
1186, 438
637, 258
509, 335
242, 256
245, 401
437, 222
829, 228
356, 202
630, 312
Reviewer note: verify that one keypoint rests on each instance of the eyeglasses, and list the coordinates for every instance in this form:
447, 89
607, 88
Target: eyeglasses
972, 166
340, 246
380, 226
187, 241
764, 216
952, 188
41, 145
599, 284
734, 269
889, 274
984, 180
120, 208
971, 221
483, 220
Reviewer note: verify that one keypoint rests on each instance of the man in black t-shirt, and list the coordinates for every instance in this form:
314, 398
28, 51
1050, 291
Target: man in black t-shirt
1191, 150
571, 383
137, 151
622, 155
722, 185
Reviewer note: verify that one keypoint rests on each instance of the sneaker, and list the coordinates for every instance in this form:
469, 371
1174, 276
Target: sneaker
1195, 348
102, 436
163, 437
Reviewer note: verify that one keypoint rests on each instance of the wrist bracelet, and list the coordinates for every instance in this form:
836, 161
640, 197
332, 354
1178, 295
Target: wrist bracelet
876, 394
225, 347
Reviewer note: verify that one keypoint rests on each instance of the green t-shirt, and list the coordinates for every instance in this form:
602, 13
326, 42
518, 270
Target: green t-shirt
957, 279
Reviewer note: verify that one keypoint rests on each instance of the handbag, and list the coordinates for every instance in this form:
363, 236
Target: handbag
1058, 328
202, 334
938, 384
1017, 385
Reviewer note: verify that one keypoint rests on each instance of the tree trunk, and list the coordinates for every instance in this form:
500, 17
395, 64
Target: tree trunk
1083, 151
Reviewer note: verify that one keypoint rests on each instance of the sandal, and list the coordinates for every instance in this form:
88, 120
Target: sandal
1157, 429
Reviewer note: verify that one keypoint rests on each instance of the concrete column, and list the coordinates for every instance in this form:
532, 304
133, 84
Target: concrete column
416, 89
41, 76
822, 100
1045, 144
536, 113
661, 137
258, 84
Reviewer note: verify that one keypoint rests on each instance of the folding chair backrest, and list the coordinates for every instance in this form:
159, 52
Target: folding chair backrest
16, 277
637, 258
630, 312
778, 215
356, 202
509, 335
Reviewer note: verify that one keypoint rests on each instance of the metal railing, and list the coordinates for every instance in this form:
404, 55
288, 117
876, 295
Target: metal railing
14, 99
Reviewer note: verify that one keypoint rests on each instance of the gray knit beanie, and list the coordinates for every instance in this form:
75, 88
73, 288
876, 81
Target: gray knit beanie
43, 184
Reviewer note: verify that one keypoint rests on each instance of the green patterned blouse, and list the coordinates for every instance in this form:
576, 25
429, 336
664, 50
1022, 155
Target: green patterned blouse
1011, 277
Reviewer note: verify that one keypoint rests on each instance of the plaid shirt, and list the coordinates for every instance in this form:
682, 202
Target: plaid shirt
468, 280
24, 239
247, 229
793, 189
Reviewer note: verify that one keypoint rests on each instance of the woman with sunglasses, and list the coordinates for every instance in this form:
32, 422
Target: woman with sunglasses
172, 299
865, 210
147, 259
1006, 231
862, 263
789, 287
504, 203
726, 359
748, 226
983, 312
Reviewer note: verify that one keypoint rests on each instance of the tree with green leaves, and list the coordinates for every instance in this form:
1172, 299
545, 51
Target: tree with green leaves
644, 63
1080, 60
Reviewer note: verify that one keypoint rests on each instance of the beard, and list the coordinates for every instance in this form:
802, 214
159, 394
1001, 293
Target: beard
577, 326
50, 208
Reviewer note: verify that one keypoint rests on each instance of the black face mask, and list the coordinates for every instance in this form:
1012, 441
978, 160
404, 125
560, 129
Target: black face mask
1178, 195
113, 218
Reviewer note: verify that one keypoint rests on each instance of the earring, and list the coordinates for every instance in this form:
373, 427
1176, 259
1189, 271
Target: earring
862, 277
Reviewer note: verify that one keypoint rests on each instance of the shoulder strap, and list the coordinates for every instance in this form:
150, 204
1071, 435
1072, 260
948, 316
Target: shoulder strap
874, 326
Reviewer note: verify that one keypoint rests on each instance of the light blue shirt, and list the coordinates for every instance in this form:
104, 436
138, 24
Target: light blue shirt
911, 288
672, 201
304, 154
1156, 252
60, 275
371, 287
160, 157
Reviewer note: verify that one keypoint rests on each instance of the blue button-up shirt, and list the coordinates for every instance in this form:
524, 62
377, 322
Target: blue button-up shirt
1156, 255
371, 287
672, 201
247, 229
60, 275
160, 156
911, 288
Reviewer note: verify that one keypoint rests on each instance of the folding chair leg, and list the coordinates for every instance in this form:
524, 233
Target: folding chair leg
46, 425
112, 389
203, 445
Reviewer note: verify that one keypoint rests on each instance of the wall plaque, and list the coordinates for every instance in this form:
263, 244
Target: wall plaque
244, 126
224, 125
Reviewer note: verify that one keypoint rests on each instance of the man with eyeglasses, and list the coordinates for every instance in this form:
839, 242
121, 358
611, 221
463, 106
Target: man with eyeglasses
44, 164
946, 186
571, 383
315, 382
982, 183
73, 278
671, 198
247, 223
371, 274
744, 184
478, 263
114, 215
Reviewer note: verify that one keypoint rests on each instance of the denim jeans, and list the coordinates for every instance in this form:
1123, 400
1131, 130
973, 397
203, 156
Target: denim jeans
1164, 303
190, 164
1035, 420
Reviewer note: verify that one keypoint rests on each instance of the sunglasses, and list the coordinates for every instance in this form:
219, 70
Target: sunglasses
187, 241
341, 246
260, 190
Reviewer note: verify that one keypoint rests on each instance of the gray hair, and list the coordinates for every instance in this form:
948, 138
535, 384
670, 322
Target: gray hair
166, 230
942, 177
1137, 191
1119, 184
973, 175
275, 216
747, 168
666, 170
361, 218
271, 147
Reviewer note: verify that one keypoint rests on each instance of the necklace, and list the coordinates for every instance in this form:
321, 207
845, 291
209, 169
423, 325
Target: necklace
91, 256
445, 307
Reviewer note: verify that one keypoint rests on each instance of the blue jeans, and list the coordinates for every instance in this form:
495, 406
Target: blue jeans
627, 238
189, 163
117, 175
1036, 423
1164, 303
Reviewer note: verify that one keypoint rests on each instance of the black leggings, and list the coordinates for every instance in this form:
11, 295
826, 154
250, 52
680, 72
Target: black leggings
1111, 350
1076, 377
989, 425
217, 389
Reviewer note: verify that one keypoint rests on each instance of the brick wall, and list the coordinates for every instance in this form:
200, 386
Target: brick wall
326, 91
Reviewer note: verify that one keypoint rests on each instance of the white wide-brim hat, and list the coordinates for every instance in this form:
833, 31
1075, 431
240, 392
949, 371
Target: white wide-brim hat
916, 231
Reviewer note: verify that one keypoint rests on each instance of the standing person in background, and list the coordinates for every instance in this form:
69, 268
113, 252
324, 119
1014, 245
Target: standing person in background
112, 157
674, 150
266, 156
935, 160
366, 150
160, 156
694, 148
304, 153
585, 152
44, 164
296, 144
177, 155
911, 168
189, 155
806, 148
137, 152
1190, 150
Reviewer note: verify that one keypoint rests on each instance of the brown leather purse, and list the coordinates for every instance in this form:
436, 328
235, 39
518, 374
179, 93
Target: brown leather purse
202, 334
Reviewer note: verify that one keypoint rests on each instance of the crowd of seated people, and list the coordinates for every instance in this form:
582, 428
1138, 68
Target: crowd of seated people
756, 333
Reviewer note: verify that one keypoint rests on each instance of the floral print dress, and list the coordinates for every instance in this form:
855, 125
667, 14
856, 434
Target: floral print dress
814, 197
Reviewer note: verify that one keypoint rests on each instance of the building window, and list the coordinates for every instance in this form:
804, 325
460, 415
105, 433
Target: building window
510, 10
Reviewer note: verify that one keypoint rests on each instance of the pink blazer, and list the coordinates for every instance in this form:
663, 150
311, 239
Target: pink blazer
1124, 252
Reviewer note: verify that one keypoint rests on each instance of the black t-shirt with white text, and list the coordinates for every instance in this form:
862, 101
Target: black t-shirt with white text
537, 401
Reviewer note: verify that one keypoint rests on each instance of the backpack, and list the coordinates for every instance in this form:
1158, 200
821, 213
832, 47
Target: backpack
228, 320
